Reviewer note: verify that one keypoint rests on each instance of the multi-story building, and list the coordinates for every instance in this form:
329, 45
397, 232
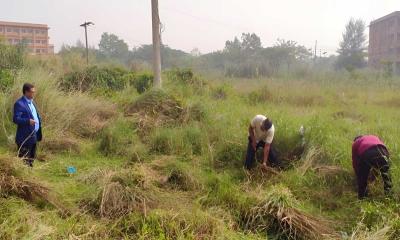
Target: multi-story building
34, 36
384, 42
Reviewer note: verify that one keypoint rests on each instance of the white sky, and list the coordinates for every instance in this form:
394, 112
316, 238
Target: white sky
205, 24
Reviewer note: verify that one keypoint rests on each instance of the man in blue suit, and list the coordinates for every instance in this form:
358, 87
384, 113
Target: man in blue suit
29, 125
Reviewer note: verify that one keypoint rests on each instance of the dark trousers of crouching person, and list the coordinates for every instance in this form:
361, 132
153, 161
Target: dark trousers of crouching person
251, 155
375, 157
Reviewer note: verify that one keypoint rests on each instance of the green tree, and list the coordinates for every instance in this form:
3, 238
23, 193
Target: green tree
113, 47
352, 48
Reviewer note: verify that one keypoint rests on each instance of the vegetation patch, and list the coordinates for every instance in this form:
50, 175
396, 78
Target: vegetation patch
121, 193
279, 211
11, 184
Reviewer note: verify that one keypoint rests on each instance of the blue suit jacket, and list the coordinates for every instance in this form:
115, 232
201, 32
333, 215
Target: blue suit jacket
25, 132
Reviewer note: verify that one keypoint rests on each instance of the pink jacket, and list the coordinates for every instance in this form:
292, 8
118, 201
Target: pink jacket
363, 144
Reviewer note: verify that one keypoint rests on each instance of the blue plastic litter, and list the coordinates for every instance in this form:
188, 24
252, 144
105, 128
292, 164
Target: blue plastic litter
71, 170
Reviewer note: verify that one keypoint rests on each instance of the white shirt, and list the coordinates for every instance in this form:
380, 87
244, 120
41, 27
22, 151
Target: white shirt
260, 135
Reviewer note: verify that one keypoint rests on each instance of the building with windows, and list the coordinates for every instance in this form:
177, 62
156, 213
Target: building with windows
384, 42
34, 36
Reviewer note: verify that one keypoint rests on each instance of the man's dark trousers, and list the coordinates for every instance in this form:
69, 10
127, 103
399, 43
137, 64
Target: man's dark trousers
377, 157
27, 153
251, 155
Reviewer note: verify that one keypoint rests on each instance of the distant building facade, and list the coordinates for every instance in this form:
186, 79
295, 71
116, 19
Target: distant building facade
384, 42
34, 36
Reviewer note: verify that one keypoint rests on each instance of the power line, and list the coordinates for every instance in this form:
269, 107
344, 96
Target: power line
233, 26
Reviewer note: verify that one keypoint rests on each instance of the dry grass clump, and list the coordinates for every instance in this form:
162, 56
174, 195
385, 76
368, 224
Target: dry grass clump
60, 144
362, 233
278, 211
12, 184
154, 109
310, 159
117, 200
181, 180
121, 193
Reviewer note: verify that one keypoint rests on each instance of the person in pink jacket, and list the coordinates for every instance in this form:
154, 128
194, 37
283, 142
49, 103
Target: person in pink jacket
368, 152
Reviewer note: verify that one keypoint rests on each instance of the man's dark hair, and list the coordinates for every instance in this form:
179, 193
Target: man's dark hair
267, 124
27, 87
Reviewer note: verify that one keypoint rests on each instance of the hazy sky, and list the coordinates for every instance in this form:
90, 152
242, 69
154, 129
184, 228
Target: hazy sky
205, 24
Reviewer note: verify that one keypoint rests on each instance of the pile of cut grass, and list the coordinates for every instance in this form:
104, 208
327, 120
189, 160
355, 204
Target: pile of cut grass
120, 194
279, 210
155, 108
12, 184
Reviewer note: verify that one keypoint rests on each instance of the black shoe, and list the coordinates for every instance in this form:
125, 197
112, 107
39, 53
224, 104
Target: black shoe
28, 162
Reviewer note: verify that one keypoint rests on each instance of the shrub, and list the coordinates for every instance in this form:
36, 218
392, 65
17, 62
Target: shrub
142, 82
95, 78
185, 76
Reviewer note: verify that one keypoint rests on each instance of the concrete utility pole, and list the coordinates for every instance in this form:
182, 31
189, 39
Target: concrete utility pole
85, 25
156, 44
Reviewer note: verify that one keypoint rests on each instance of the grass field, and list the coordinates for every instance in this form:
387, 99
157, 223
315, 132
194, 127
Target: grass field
168, 164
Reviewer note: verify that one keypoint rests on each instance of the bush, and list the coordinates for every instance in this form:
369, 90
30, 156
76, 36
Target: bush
142, 82
95, 78
185, 76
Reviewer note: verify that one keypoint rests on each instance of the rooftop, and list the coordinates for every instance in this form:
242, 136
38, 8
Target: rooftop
393, 14
17, 24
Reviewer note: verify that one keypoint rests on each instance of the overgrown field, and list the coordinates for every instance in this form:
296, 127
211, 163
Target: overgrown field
169, 164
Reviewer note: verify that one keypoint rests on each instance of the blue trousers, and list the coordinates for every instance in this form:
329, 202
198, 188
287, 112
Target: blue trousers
251, 155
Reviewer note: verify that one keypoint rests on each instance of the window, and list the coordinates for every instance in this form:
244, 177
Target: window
23, 30
43, 32
37, 50
44, 42
398, 37
30, 30
37, 41
398, 51
391, 23
16, 30
1, 29
8, 29
391, 38
37, 31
